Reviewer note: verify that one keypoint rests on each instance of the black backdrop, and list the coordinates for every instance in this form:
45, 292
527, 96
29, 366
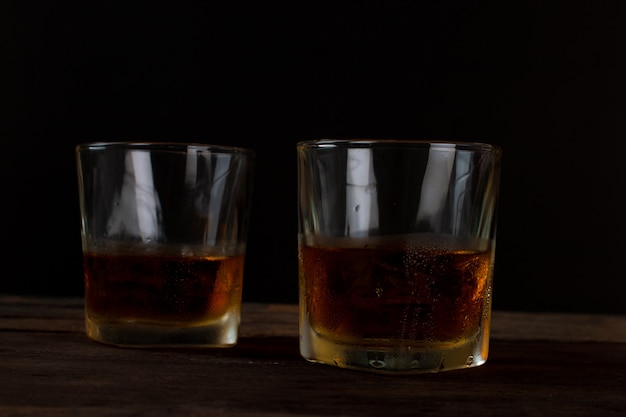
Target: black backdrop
546, 80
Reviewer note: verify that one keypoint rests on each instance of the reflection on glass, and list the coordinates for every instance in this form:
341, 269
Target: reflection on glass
222, 167
361, 193
436, 181
137, 208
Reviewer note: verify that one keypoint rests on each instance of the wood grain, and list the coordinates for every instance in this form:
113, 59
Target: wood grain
50, 368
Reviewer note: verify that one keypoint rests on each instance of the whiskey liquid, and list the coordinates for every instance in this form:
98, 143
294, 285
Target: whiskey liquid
399, 293
135, 288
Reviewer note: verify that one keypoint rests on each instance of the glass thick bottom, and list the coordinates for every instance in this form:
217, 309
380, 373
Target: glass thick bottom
394, 357
128, 333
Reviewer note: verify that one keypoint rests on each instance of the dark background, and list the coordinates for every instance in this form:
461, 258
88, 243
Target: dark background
545, 80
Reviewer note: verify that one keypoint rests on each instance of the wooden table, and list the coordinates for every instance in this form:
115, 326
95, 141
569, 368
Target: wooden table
539, 365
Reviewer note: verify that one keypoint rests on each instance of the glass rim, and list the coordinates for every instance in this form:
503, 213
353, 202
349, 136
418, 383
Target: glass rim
396, 143
162, 146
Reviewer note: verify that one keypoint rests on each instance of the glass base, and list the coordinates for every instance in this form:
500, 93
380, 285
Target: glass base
220, 333
394, 357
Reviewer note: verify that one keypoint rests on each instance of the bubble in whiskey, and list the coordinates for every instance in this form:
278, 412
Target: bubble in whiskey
377, 363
